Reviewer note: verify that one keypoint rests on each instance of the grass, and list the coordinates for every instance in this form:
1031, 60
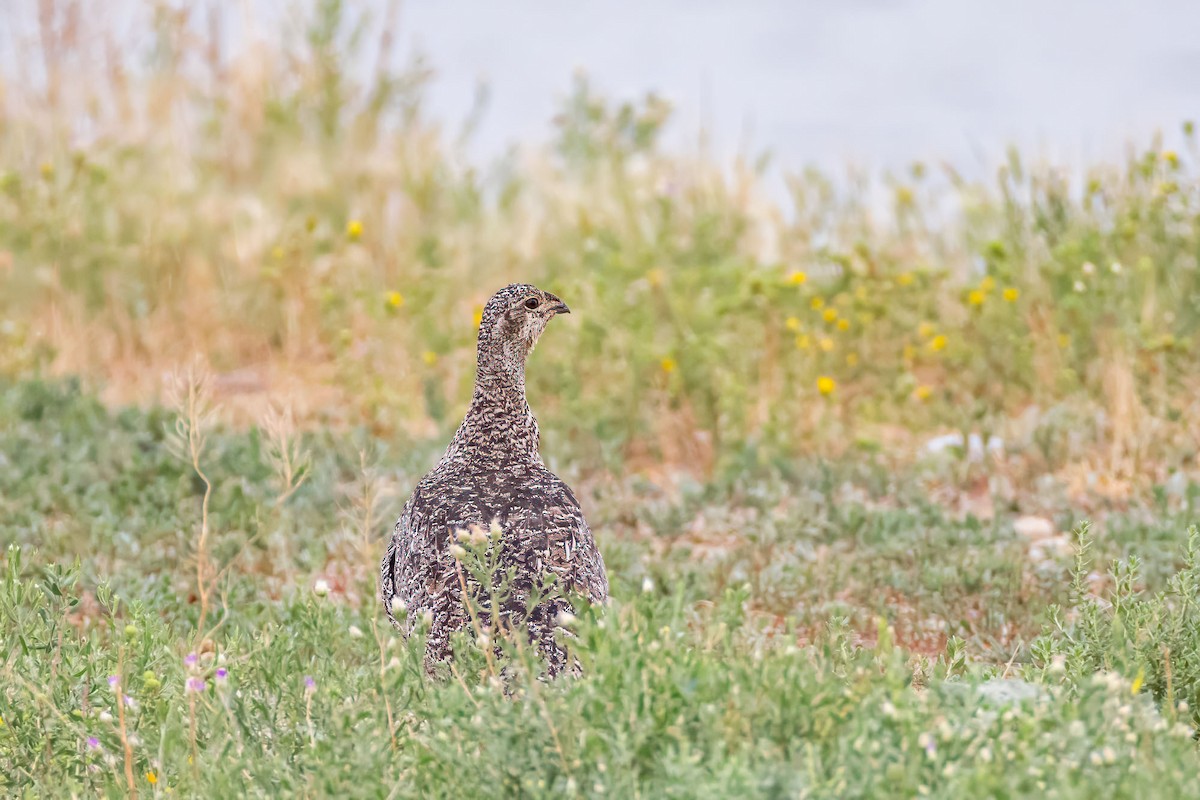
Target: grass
764, 640
236, 327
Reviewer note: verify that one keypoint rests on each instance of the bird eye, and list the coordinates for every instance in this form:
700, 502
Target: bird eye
531, 303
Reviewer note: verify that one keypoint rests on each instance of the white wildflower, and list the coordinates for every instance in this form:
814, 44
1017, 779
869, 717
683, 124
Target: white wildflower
321, 587
355, 632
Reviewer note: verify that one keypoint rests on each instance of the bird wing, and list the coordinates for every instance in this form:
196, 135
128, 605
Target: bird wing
417, 567
544, 529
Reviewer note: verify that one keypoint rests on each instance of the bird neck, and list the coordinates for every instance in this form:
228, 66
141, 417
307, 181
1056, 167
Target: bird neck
499, 426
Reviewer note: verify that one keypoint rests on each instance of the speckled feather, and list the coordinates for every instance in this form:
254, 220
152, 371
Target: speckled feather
493, 471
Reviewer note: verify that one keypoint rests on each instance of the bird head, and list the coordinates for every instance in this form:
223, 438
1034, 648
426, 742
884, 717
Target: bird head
513, 320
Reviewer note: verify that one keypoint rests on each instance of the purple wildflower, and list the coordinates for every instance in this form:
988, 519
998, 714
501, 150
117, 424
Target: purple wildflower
222, 673
191, 659
113, 680
196, 685
93, 743
309, 684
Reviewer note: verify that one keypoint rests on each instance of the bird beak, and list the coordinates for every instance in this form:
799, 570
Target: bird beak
557, 306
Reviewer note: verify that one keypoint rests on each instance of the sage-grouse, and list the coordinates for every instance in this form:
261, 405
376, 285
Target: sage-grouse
492, 473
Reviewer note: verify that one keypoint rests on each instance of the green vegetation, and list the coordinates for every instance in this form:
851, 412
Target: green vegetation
807, 600
730, 663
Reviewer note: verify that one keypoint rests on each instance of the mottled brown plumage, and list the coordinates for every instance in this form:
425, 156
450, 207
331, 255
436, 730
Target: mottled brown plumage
493, 472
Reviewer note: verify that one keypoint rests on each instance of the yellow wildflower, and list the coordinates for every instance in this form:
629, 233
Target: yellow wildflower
792, 324
938, 343
668, 365
925, 330
47, 169
277, 253
803, 342
852, 359
988, 283
923, 392
843, 324
975, 297
817, 303
826, 344
429, 357
395, 299
826, 384
1171, 157
1138, 681
797, 278
1064, 340
830, 314
152, 778
656, 277
1011, 294
478, 315
905, 278
354, 229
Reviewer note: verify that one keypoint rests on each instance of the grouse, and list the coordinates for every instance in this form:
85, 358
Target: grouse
492, 474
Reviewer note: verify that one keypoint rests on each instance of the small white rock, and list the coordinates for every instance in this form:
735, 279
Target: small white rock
1033, 528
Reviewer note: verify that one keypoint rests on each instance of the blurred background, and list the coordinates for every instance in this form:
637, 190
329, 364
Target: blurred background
787, 228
